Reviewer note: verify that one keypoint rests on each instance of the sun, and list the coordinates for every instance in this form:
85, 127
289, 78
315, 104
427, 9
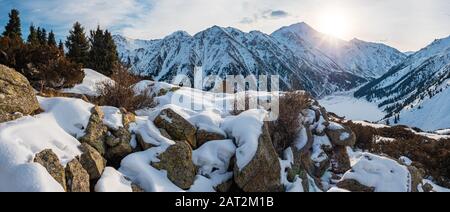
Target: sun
334, 23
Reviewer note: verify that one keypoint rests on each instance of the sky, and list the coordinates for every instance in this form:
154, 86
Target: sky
407, 25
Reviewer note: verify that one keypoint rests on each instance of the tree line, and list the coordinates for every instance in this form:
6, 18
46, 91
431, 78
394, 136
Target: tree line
48, 63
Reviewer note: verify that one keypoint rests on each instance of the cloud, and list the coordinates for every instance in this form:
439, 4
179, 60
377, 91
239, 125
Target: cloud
265, 15
279, 14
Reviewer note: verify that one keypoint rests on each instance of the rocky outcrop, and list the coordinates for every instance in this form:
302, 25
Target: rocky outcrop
77, 177
261, 174
178, 128
96, 131
92, 161
416, 178
50, 161
16, 95
177, 160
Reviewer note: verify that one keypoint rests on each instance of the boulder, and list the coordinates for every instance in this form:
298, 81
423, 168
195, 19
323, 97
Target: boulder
262, 173
340, 161
96, 131
354, 186
144, 145
178, 128
118, 146
137, 189
340, 135
165, 134
204, 136
416, 178
50, 161
127, 117
92, 161
177, 160
16, 95
77, 177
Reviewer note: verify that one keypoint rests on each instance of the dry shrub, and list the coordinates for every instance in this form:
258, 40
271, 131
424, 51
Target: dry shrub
429, 154
286, 128
120, 93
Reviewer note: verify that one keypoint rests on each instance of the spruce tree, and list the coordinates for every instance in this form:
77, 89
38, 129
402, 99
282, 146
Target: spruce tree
51, 39
103, 55
42, 36
13, 28
33, 36
77, 45
61, 46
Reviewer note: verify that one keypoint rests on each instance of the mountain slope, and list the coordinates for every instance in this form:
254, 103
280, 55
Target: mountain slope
414, 88
228, 51
365, 59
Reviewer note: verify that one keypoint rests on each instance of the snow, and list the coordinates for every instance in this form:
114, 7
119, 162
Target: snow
22, 139
214, 156
89, 84
246, 129
113, 181
436, 188
337, 190
112, 118
405, 160
434, 113
302, 139
70, 114
443, 132
295, 186
344, 136
352, 108
383, 174
318, 155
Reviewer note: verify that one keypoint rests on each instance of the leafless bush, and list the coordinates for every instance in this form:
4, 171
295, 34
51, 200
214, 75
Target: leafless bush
286, 128
120, 92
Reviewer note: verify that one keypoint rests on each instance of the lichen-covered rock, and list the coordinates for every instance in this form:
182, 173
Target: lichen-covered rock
340, 135
178, 128
50, 161
96, 131
416, 178
262, 173
92, 161
127, 117
177, 160
354, 186
77, 177
16, 95
340, 161
204, 136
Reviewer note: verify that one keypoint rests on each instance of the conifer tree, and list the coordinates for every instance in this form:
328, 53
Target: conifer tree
13, 28
77, 45
103, 54
42, 36
61, 46
33, 36
51, 39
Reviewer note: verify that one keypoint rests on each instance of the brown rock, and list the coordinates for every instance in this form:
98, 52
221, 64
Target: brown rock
77, 177
341, 137
144, 145
354, 186
96, 131
92, 161
165, 134
16, 95
262, 173
340, 162
137, 189
204, 136
177, 127
50, 161
127, 117
177, 160
416, 178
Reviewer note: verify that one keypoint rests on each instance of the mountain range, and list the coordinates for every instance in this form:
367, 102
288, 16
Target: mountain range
303, 57
416, 91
